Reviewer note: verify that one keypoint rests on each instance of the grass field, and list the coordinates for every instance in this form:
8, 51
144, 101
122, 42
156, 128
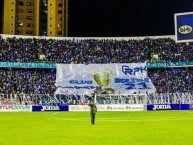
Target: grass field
111, 128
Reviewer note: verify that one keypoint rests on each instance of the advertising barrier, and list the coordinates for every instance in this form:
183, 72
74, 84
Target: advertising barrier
50, 108
169, 107
125, 107
15, 108
107, 107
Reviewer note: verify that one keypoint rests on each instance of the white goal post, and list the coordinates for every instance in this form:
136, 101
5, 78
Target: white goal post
132, 100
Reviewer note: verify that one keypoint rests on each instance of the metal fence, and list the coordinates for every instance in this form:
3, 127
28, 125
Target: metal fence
51, 99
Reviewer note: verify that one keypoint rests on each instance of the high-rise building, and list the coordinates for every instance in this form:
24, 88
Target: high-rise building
1, 16
36, 17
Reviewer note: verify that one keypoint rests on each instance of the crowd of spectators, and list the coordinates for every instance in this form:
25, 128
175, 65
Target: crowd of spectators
35, 81
172, 80
93, 50
41, 81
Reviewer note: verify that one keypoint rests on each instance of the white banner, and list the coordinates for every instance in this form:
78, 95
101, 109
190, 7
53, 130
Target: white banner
15, 108
126, 78
117, 107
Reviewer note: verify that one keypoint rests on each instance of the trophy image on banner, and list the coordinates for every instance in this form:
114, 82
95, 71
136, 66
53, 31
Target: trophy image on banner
103, 79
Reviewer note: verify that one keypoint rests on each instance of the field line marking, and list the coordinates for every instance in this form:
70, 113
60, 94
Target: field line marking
125, 120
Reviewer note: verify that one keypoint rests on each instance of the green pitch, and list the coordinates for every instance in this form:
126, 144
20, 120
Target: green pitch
111, 128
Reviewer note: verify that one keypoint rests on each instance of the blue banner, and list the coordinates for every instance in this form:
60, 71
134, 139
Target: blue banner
184, 27
53, 65
27, 65
168, 64
168, 107
50, 108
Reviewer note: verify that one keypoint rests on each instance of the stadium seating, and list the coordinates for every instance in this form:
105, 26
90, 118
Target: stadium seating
41, 81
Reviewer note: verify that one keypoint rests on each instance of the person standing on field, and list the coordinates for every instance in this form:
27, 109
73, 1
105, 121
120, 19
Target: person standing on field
93, 110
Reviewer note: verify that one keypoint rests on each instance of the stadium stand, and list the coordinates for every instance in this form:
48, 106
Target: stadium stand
37, 85
93, 51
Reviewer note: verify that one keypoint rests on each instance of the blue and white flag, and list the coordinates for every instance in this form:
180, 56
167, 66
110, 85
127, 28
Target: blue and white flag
126, 78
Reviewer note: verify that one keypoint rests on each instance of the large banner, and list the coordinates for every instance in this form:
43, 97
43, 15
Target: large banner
125, 78
184, 27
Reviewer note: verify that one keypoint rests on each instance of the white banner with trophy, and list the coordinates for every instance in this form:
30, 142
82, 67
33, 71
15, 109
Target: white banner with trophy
103, 78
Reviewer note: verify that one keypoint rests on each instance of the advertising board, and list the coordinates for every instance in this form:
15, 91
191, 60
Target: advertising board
15, 108
168, 107
50, 108
110, 107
